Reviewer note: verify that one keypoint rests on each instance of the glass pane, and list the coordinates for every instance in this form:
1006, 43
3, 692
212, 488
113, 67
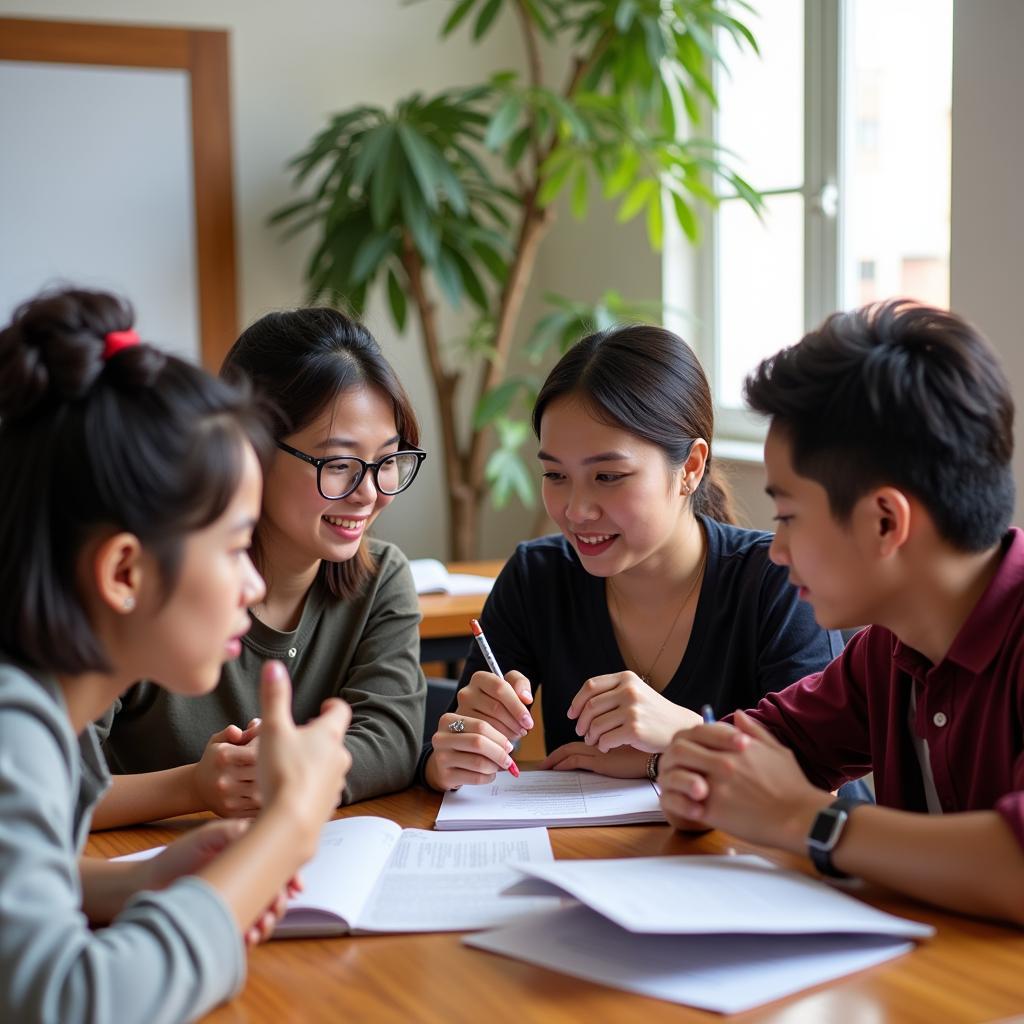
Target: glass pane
897, 135
760, 288
761, 98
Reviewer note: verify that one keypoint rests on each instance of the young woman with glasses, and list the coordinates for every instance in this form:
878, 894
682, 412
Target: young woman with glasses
340, 609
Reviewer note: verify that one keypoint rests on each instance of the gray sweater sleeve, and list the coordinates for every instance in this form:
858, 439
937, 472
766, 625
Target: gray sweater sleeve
386, 687
169, 956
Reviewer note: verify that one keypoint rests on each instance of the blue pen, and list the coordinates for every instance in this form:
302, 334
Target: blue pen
708, 714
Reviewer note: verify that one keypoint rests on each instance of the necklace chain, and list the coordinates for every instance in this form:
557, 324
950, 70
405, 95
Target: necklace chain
646, 676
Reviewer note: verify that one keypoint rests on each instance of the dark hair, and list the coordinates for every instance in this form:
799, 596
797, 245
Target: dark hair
301, 360
142, 442
648, 381
904, 395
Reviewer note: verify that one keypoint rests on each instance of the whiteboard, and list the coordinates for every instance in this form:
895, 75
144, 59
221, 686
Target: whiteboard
96, 190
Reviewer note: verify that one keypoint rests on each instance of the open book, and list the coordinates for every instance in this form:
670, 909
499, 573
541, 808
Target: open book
721, 933
550, 798
431, 577
370, 875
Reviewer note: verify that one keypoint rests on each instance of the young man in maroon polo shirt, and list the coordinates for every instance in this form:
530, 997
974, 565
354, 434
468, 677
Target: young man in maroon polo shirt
888, 459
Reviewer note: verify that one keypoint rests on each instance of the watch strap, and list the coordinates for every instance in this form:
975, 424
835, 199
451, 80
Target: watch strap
826, 831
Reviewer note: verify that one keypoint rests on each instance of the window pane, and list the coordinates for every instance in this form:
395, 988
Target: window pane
760, 288
897, 134
761, 98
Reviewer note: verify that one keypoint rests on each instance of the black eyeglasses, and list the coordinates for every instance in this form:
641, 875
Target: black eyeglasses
337, 476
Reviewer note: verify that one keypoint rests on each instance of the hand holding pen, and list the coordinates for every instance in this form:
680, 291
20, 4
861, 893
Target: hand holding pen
496, 698
474, 743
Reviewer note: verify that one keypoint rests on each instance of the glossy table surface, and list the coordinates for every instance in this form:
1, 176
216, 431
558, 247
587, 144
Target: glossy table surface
971, 971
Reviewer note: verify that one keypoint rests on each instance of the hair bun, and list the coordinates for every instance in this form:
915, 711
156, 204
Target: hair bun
53, 348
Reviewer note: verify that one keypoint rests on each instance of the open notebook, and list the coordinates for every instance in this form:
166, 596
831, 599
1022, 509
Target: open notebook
550, 798
370, 875
431, 577
720, 933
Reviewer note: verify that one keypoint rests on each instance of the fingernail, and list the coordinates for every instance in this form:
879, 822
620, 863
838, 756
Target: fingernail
508, 747
570, 713
526, 721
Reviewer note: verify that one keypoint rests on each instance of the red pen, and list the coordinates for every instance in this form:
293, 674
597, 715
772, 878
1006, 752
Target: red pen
492, 664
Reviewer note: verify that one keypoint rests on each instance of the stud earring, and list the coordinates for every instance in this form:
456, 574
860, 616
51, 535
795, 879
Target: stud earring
687, 489
129, 603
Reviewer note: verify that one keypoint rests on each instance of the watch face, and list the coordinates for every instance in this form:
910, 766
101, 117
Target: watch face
827, 828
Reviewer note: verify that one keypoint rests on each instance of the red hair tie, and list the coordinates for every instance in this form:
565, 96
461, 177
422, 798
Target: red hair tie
117, 340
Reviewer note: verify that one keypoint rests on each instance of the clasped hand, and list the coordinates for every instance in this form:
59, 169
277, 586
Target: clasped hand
740, 779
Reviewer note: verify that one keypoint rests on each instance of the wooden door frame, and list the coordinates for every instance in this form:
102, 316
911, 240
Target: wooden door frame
203, 55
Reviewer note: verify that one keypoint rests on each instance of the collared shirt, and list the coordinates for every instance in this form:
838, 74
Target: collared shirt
852, 717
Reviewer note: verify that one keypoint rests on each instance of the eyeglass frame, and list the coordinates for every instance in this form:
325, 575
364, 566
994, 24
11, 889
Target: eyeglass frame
320, 462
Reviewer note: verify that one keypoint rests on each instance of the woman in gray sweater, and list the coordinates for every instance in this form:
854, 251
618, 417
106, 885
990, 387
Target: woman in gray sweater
340, 610
131, 481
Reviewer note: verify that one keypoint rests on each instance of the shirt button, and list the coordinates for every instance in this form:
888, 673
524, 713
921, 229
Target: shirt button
292, 651
939, 718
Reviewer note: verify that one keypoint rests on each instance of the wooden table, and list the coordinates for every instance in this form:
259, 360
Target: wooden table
444, 629
970, 972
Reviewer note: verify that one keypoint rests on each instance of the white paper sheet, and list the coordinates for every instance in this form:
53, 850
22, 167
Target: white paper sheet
705, 895
550, 798
723, 973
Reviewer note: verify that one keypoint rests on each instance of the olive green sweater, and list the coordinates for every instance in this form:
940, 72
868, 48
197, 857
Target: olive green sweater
365, 650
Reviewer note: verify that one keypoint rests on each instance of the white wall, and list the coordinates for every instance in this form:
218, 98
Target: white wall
58, 216
987, 270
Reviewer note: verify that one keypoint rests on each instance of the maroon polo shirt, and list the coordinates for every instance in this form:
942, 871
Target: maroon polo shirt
851, 718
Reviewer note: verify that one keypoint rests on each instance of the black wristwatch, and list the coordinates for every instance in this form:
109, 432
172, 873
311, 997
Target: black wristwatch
826, 831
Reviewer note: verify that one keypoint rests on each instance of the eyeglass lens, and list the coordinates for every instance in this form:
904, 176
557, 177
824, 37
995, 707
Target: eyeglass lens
339, 477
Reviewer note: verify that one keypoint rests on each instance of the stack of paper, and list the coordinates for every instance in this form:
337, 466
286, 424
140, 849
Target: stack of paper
720, 933
550, 798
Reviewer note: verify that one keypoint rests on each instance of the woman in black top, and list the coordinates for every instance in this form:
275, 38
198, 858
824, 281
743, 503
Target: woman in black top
650, 604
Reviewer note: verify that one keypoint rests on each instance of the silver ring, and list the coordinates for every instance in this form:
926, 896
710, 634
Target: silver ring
457, 726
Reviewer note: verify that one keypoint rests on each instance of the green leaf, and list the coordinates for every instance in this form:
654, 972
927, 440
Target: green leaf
397, 300
452, 23
371, 148
624, 174
495, 403
636, 198
493, 261
418, 220
578, 203
655, 220
448, 277
470, 280
418, 152
487, 15
503, 124
686, 217
517, 146
553, 183
371, 251
624, 15
507, 474
384, 183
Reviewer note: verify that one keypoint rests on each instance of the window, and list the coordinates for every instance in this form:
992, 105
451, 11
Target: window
843, 124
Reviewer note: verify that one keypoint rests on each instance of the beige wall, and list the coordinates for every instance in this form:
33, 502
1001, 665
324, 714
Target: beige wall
293, 64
